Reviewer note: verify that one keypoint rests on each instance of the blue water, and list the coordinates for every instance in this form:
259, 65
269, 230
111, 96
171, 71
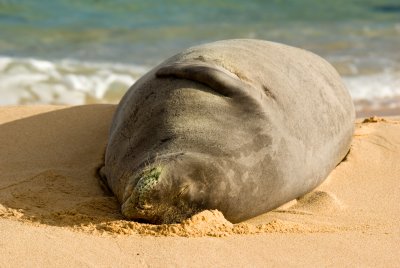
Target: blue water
83, 43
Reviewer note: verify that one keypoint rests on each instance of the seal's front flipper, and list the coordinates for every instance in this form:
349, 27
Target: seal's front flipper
103, 181
216, 77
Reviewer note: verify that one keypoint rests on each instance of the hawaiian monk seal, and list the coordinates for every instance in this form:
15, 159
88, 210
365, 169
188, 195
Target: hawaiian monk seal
241, 126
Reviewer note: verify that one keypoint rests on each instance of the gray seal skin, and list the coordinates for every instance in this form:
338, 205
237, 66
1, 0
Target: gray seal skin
241, 126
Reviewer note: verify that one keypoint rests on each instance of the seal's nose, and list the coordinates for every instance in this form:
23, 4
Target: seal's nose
145, 187
139, 204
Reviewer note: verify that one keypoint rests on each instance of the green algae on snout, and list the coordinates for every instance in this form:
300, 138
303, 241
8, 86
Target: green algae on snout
147, 181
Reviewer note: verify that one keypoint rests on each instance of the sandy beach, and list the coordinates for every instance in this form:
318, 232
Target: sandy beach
53, 211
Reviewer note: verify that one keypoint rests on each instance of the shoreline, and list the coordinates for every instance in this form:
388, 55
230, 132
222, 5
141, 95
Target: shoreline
386, 112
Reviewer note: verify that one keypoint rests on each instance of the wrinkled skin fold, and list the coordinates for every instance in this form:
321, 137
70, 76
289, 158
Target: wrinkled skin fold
241, 126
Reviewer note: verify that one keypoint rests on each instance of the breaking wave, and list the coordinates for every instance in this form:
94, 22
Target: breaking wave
72, 82
33, 81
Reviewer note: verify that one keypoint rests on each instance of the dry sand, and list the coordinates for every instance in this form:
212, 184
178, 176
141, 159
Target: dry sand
54, 213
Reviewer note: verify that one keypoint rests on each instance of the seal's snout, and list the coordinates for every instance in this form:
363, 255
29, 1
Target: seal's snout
146, 186
142, 201
157, 199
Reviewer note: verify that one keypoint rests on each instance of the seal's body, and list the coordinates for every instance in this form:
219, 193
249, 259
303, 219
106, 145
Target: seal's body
241, 126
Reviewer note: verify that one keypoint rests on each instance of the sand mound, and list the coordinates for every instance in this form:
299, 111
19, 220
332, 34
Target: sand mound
318, 202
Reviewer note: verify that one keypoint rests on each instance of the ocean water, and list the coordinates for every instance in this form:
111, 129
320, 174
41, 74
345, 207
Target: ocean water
77, 52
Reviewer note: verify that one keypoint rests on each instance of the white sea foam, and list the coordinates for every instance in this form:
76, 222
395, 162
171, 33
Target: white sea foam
375, 90
383, 85
32, 81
